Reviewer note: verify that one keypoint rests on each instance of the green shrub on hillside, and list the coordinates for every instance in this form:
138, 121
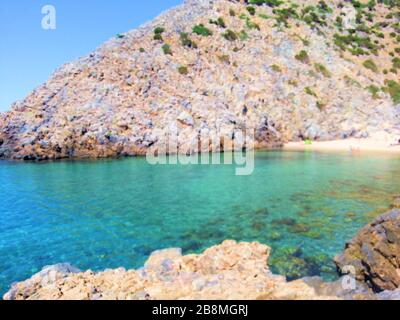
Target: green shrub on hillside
159, 30
224, 58
252, 25
219, 22
396, 63
251, 10
276, 68
355, 44
370, 64
310, 91
230, 35
166, 48
183, 70
201, 30
243, 35
158, 33
322, 69
374, 90
283, 15
393, 88
186, 41
302, 56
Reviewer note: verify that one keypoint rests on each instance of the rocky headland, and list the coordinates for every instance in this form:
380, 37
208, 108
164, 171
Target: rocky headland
232, 271
375, 253
287, 70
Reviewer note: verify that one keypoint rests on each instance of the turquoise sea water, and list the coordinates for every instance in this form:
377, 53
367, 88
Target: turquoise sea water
112, 213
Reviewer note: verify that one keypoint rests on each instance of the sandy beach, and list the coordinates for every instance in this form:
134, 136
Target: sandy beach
350, 145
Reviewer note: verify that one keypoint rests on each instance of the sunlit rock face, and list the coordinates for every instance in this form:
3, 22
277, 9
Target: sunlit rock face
279, 71
375, 253
228, 271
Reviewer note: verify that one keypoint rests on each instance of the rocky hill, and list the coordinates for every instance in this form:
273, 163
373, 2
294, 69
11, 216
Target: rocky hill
289, 69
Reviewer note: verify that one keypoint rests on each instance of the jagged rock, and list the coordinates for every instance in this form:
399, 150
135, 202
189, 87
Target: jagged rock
46, 277
231, 270
375, 253
228, 271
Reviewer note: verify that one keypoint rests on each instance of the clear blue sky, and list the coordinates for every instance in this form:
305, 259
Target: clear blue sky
29, 54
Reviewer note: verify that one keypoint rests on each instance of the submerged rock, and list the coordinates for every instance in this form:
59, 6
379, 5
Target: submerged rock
375, 253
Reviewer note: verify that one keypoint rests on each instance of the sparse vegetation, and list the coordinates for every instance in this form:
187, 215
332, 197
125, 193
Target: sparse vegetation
374, 90
396, 63
201, 30
183, 70
251, 10
219, 22
393, 88
166, 48
230, 35
322, 69
303, 40
355, 44
243, 35
186, 41
303, 57
276, 68
310, 91
158, 33
283, 15
252, 25
224, 58
159, 30
370, 64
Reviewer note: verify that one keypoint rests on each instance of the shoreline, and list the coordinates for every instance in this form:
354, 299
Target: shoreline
354, 146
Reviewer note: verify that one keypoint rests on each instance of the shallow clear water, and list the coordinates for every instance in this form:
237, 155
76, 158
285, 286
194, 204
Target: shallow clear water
107, 214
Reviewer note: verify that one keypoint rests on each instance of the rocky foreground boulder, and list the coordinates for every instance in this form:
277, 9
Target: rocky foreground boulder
375, 253
228, 271
214, 71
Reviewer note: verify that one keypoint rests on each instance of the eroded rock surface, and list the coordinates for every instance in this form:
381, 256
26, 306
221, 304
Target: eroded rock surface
228, 271
375, 253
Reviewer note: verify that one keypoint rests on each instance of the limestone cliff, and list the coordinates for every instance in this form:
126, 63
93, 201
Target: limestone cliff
287, 69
